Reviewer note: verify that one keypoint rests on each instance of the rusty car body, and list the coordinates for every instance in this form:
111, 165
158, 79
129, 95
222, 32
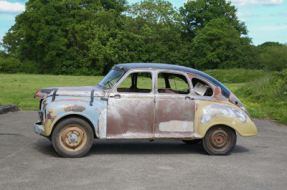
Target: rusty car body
144, 101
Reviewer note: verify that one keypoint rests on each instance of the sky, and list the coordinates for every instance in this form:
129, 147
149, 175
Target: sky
266, 20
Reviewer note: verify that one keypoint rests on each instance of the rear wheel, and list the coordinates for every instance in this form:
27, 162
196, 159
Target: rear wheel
73, 137
219, 140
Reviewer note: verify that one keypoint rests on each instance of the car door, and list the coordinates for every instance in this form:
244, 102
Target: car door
130, 112
174, 107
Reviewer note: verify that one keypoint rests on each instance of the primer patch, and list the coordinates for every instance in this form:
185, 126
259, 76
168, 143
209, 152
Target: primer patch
176, 126
212, 110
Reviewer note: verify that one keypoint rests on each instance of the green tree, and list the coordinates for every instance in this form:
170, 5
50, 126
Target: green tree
275, 58
11, 41
154, 32
263, 47
118, 5
218, 45
249, 57
9, 65
149, 33
57, 35
196, 14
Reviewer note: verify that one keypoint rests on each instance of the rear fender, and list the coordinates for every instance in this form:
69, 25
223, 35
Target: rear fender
209, 114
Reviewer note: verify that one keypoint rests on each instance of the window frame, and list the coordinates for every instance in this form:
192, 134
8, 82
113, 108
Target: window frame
127, 74
172, 72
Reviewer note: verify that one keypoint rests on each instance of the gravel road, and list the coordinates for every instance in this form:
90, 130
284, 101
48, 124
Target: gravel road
28, 161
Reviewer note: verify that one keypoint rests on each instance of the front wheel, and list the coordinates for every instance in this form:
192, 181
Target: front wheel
219, 140
72, 138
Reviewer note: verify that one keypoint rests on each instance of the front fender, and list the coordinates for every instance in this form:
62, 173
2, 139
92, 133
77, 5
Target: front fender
55, 110
209, 114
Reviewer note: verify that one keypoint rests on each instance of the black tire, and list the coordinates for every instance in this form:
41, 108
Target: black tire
72, 138
195, 141
219, 140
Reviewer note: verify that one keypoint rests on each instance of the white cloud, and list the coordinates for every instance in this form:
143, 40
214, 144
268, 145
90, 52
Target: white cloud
6, 7
244, 3
269, 28
239, 14
243, 20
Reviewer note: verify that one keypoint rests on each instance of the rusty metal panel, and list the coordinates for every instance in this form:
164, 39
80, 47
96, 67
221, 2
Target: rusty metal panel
190, 76
174, 116
130, 116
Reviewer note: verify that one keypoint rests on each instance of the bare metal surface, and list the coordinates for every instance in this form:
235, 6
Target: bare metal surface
174, 110
130, 116
28, 161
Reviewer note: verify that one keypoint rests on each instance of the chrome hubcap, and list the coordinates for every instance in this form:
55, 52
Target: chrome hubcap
73, 138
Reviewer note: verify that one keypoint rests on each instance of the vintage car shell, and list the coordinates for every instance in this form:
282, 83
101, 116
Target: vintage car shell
91, 103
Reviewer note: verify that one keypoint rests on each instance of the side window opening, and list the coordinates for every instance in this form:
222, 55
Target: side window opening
172, 83
201, 88
140, 82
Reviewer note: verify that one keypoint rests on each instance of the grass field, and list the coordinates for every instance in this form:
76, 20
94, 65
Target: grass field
20, 89
253, 108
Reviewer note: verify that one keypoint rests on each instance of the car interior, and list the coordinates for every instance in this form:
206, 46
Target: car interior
137, 82
172, 83
201, 88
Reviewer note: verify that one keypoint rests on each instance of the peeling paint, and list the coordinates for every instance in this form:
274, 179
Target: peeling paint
50, 117
44, 104
176, 126
73, 108
190, 75
212, 110
70, 100
84, 91
196, 105
103, 123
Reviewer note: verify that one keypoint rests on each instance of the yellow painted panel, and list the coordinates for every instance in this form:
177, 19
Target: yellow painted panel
209, 114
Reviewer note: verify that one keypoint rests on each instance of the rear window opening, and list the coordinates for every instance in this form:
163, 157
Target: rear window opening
201, 88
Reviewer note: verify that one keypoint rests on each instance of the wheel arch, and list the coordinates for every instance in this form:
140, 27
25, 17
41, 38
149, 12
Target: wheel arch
76, 116
218, 125
204, 130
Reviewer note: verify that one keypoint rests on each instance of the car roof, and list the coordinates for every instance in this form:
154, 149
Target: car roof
128, 66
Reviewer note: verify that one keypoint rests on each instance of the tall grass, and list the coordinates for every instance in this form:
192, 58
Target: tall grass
266, 96
236, 75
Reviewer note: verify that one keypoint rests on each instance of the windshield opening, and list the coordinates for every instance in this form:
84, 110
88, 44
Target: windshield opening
111, 78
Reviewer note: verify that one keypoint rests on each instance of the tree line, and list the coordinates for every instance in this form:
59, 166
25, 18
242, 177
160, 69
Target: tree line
88, 37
